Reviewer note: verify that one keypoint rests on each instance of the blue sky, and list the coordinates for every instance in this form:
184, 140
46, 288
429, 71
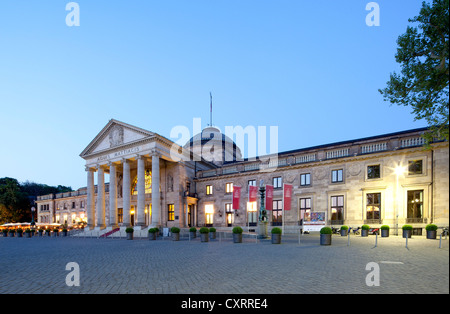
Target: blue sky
312, 68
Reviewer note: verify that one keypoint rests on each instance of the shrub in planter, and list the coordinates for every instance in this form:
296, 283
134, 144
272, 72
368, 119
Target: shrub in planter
55, 232
129, 231
276, 235
204, 234
64, 232
27, 233
175, 233
344, 231
407, 231
325, 236
212, 233
237, 234
193, 232
431, 231
152, 233
5, 232
365, 230
19, 232
12, 232
41, 231
384, 231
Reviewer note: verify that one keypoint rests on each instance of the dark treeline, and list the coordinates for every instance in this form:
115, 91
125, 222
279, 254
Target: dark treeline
16, 199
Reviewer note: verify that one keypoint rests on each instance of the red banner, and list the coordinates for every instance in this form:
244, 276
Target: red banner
287, 196
252, 193
236, 197
269, 197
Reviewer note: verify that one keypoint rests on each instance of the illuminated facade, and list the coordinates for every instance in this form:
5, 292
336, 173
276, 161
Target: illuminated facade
382, 180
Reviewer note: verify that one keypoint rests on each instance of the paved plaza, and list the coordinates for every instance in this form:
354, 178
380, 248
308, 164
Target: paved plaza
38, 265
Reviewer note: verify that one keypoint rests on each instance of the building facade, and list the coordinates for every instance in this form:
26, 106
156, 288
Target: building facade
382, 180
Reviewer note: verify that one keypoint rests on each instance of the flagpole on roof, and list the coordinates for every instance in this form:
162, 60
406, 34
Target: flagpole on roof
210, 112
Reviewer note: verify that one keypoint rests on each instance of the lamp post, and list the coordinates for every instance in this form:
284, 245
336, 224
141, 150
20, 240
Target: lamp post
32, 224
262, 221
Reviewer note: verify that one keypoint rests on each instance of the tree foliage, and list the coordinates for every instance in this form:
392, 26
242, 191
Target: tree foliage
423, 53
16, 199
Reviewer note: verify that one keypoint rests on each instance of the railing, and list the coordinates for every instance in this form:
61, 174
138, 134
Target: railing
338, 153
229, 170
305, 158
411, 142
372, 148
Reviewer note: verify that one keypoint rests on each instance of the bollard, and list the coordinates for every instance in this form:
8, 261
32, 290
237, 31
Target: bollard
348, 240
406, 241
376, 239
440, 241
299, 233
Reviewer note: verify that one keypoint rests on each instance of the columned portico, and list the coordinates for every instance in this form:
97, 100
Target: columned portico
126, 193
112, 195
141, 191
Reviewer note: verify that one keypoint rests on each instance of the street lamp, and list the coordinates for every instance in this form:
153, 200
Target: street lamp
263, 220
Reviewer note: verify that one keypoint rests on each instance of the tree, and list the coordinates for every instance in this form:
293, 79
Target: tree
13, 202
424, 80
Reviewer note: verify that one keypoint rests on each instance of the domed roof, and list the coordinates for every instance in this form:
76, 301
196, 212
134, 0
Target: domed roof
214, 146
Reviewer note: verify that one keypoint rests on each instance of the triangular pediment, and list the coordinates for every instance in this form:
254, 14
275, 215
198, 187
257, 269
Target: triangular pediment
115, 134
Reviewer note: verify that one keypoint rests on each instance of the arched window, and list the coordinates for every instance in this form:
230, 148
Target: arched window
148, 183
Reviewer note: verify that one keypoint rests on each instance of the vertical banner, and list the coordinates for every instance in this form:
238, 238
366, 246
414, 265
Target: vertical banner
252, 193
236, 197
269, 197
287, 196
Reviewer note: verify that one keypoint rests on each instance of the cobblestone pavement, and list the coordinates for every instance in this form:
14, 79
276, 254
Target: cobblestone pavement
38, 265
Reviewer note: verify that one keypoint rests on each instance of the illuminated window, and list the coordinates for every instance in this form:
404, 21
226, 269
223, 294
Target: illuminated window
209, 190
209, 214
252, 213
148, 183
229, 188
373, 206
277, 213
415, 167
171, 211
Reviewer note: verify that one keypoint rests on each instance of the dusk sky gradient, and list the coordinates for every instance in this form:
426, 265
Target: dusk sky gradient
312, 68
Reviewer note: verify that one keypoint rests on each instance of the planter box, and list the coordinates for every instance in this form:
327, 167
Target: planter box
276, 238
364, 233
129, 236
27, 234
212, 235
237, 237
407, 233
431, 235
19, 235
152, 235
384, 233
193, 234
204, 237
175, 236
325, 239
344, 233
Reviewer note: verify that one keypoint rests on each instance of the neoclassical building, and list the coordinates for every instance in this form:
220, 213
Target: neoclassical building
386, 179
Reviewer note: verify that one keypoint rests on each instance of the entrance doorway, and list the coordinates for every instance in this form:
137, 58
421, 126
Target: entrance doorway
190, 216
132, 216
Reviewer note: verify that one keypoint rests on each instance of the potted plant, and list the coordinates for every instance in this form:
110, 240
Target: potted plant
193, 232
276, 235
325, 236
212, 233
365, 230
344, 231
49, 232
237, 234
384, 231
152, 233
41, 231
175, 233
431, 231
55, 232
27, 233
19, 232
5, 232
407, 231
12, 232
129, 231
204, 234
64, 232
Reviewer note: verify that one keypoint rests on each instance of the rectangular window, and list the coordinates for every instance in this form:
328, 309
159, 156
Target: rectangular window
277, 183
252, 213
337, 175
252, 182
209, 190
209, 215
73, 205
415, 167
305, 179
119, 215
305, 203
337, 209
373, 206
229, 214
171, 212
229, 187
415, 206
277, 213
373, 172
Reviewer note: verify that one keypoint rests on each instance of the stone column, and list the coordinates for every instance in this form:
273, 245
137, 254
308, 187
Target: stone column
90, 203
112, 196
101, 197
126, 193
141, 191
155, 191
